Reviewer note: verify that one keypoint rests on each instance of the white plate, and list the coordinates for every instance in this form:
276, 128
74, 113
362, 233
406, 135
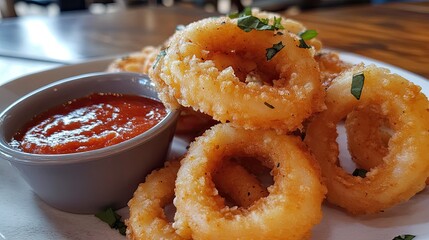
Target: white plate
24, 216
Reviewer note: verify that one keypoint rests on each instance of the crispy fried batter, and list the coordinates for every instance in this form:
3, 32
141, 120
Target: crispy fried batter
403, 170
203, 65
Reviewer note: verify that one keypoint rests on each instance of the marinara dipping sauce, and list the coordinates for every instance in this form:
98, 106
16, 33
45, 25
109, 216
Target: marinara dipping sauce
96, 121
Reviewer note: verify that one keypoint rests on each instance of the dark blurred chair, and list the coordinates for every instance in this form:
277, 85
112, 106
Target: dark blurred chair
42, 3
7, 8
64, 5
132, 3
71, 5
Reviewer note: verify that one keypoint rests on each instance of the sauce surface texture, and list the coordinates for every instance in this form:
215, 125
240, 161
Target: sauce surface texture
93, 122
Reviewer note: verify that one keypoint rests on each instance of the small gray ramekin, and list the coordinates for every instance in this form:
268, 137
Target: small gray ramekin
87, 182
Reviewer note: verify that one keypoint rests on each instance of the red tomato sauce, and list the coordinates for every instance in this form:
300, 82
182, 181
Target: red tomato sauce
93, 122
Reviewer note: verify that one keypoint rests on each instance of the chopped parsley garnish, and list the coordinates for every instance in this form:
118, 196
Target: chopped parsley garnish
113, 219
268, 105
357, 85
250, 23
404, 237
271, 52
303, 44
306, 35
247, 22
278, 23
360, 172
161, 54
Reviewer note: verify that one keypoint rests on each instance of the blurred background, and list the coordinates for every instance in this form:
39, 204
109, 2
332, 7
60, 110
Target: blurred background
14, 8
40, 34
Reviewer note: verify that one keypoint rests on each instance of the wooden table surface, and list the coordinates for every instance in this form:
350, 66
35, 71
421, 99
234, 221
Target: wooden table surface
73, 37
394, 33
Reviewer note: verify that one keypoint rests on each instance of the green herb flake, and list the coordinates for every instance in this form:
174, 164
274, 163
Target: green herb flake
161, 54
247, 22
357, 85
268, 105
113, 219
308, 34
404, 237
265, 20
278, 23
271, 52
234, 15
360, 172
303, 44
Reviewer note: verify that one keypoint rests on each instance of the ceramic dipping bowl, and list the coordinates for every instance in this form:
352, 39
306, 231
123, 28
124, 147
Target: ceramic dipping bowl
91, 181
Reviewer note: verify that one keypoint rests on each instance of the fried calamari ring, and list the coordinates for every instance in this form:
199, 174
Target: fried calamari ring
404, 169
330, 66
368, 135
329, 62
215, 67
241, 187
290, 25
291, 209
139, 62
148, 219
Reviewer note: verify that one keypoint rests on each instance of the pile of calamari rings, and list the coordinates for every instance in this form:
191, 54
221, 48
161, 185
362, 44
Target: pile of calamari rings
202, 68
403, 164
214, 67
